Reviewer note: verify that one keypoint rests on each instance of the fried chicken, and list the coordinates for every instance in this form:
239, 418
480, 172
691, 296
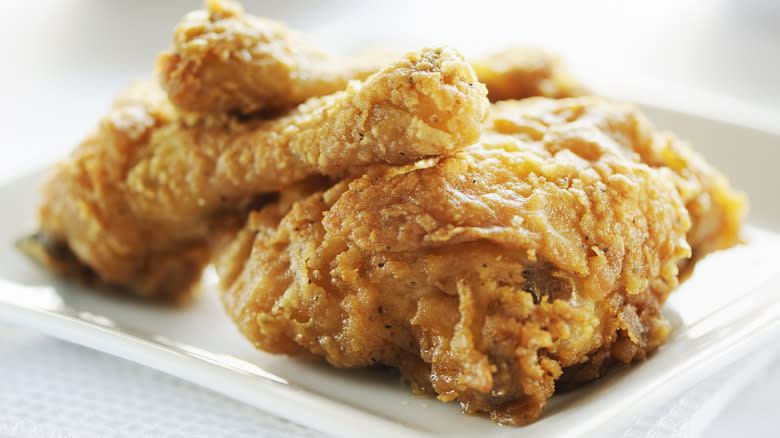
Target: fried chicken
518, 73
716, 210
543, 253
224, 60
490, 258
138, 201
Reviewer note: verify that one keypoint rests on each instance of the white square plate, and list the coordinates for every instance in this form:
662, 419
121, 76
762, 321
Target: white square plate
730, 307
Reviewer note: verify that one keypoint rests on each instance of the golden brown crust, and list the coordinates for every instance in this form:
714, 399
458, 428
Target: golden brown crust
85, 210
483, 275
426, 104
519, 73
716, 210
146, 189
224, 60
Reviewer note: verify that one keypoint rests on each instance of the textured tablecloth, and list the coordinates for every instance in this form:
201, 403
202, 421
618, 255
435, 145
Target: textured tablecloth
53, 389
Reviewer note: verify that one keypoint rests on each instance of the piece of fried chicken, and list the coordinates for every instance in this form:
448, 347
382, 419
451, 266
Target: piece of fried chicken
716, 210
519, 73
224, 60
138, 201
541, 254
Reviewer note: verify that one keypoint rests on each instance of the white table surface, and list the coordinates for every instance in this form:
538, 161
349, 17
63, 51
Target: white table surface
64, 60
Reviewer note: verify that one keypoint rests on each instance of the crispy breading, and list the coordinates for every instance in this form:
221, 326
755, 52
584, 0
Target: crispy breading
543, 252
224, 60
146, 187
518, 73
716, 210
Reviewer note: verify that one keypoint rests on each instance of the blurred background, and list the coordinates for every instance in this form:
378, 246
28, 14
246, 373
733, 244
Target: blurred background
65, 60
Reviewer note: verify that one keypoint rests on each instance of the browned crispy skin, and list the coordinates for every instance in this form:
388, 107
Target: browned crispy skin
85, 209
138, 201
223, 60
716, 210
544, 250
519, 73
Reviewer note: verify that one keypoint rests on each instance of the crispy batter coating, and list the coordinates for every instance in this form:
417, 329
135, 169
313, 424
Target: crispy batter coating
85, 218
543, 252
716, 210
224, 60
518, 73
138, 200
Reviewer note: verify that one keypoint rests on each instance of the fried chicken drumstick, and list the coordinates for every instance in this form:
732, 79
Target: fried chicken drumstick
224, 60
543, 253
137, 202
